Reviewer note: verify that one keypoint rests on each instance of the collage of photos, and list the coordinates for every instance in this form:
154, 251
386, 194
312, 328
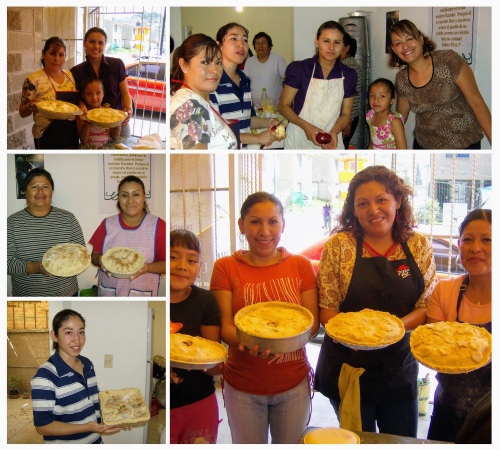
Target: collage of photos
331, 257
327, 181
86, 225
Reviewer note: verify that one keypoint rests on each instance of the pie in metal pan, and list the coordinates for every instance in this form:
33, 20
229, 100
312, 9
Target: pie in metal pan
123, 407
106, 117
194, 352
451, 347
66, 260
367, 329
277, 326
123, 262
57, 109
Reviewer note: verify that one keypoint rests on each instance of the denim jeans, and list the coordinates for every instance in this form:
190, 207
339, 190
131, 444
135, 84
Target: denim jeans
400, 419
251, 416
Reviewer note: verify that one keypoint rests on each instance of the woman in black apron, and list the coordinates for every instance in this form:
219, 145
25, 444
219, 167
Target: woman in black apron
51, 83
463, 299
376, 260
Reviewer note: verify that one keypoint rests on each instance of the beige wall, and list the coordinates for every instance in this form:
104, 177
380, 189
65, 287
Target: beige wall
277, 22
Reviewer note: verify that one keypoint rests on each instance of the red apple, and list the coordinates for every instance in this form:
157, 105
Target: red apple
323, 138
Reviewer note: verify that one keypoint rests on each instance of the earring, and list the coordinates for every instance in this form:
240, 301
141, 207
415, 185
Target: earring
242, 238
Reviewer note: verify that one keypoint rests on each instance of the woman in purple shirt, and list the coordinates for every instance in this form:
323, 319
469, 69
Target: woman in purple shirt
318, 93
110, 70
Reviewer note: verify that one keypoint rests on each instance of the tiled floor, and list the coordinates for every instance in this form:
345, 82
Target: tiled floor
322, 412
20, 428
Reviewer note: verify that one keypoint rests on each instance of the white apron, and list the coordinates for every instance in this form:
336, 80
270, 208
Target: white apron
322, 107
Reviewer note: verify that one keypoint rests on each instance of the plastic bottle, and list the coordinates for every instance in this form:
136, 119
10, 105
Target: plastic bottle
266, 104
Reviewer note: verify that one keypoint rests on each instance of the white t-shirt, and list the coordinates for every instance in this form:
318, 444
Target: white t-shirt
269, 75
194, 121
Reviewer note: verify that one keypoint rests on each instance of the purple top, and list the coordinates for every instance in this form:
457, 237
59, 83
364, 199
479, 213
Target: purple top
111, 72
298, 75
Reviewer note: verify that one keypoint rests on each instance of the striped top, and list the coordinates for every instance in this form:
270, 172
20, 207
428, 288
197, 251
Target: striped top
233, 101
63, 395
28, 238
351, 62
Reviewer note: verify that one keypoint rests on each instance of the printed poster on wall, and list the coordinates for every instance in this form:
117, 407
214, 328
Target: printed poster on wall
453, 29
115, 167
24, 165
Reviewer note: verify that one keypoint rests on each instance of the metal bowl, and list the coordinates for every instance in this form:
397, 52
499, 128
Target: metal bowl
106, 117
277, 345
193, 366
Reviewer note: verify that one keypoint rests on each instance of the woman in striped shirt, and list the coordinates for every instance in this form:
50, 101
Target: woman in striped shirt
64, 389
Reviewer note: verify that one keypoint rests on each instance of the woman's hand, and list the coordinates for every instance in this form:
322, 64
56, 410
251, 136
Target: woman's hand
255, 351
217, 370
32, 104
100, 428
174, 378
266, 137
311, 131
144, 269
129, 116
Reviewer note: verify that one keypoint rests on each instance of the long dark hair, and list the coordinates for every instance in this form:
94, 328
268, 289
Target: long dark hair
404, 223
221, 34
38, 172
56, 43
60, 318
96, 30
407, 27
191, 46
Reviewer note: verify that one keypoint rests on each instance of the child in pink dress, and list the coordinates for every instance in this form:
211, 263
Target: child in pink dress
90, 135
386, 128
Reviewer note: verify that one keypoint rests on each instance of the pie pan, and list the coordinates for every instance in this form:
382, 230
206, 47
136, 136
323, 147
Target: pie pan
123, 408
451, 347
49, 109
292, 341
366, 329
193, 366
107, 260
195, 352
106, 117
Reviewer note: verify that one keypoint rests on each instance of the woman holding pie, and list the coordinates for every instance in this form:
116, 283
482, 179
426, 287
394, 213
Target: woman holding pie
64, 389
110, 70
465, 298
34, 230
135, 229
51, 82
375, 260
264, 392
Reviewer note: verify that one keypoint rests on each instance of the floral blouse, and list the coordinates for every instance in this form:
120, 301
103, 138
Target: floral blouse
382, 137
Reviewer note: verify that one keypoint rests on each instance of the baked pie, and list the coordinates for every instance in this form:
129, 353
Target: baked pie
123, 262
366, 329
451, 347
123, 407
195, 350
57, 109
106, 117
273, 320
66, 260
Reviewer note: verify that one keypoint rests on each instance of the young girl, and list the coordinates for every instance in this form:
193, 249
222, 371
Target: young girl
64, 389
194, 412
90, 135
386, 128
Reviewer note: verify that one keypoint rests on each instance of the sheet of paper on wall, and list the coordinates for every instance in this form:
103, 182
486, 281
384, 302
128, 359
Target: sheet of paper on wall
150, 142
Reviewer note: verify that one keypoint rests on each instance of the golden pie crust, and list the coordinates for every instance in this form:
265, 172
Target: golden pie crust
123, 407
106, 117
274, 320
451, 347
57, 106
366, 329
66, 260
123, 262
196, 350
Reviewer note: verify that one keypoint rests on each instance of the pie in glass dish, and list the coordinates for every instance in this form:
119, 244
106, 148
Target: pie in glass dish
123, 262
106, 117
57, 109
66, 260
194, 352
123, 407
451, 347
367, 329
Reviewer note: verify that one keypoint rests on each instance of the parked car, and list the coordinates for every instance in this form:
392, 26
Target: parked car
146, 80
440, 247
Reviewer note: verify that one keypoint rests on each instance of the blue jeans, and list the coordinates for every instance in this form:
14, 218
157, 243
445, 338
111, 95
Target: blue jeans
400, 419
251, 416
